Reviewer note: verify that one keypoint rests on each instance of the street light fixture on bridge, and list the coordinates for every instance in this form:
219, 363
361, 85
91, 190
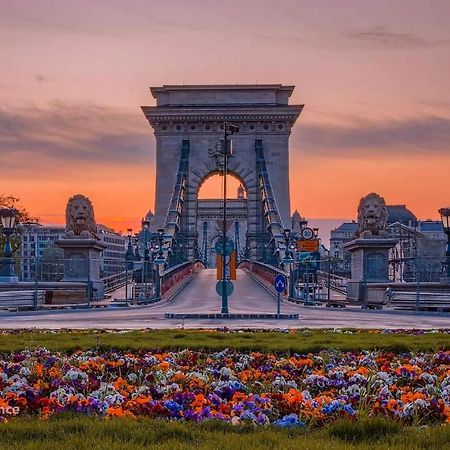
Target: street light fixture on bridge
159, 261
8, 217
445, 217
228, 130
129, 257
144, 273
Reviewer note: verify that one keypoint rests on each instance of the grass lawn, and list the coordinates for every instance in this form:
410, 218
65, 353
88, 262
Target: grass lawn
295, 341
80, 432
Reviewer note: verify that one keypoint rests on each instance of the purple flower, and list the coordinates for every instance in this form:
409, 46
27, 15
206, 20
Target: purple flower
290, 420
173, 406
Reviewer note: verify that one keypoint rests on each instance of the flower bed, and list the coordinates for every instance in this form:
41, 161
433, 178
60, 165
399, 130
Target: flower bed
231, 386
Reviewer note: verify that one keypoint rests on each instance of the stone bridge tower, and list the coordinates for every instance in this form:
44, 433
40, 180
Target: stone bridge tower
188, 125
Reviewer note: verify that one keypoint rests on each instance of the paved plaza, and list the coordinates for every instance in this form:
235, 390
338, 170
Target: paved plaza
200, 296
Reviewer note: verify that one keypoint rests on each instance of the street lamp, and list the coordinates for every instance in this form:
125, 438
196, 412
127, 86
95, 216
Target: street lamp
287, 251
445, 217
287, 259
145, 229
8, 218
228, 130
129, 256
159, 261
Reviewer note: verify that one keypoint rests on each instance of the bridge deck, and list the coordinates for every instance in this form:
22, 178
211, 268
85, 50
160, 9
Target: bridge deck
200, 295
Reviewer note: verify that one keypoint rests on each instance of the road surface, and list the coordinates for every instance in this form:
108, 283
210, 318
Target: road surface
200, 296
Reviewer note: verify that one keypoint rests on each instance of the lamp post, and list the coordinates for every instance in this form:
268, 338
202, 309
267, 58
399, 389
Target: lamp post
145, 229
129, 256
228, 130
8, 217
329, 281
445, 217
159, 261
287, 259
153, 252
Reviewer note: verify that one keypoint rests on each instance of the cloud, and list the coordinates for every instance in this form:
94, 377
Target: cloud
41, 78
380, 37
73, 133
425, 135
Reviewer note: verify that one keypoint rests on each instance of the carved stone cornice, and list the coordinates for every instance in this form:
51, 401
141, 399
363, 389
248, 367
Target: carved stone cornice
157, 115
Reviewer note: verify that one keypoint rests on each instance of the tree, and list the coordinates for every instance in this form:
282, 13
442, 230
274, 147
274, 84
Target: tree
9, 201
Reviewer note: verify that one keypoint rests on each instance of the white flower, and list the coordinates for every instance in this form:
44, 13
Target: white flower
235, 420
353, 390
225, 372
292, 383
306, 396
132, 377
428, 378
25, 371
74, 374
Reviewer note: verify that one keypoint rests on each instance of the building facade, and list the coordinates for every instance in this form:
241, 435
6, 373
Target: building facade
38, 248
418, 252
113, 257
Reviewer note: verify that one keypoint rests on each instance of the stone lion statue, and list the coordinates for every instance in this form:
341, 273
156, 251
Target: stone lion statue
372, 217
80, 220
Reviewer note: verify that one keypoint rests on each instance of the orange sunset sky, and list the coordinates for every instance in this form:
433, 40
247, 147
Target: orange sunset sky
374, 78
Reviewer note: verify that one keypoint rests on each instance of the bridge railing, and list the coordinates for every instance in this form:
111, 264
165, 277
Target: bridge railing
336, 282
177, 276
264, 273
117, 280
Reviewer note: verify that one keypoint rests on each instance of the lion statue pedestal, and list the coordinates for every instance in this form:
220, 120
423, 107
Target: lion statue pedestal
81, 246
370, 253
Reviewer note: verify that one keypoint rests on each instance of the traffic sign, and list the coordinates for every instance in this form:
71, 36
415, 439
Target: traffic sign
304, 245
305, 256
230, 266
280, 283
228, 287
307, 233
229, 246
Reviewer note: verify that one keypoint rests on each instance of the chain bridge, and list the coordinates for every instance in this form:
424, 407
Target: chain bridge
188, 123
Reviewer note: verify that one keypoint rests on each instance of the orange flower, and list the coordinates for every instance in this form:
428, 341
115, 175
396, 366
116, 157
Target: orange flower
118, 411
177, 377
164, 365
120, 383
239, 397
142, 400
392, 404
39, 370
54, 372
200, 400
362, 370
447, 413
245, 375
293, 397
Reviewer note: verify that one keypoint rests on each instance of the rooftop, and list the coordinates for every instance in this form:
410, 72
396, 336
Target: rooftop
347, 226
222, 95
400, 213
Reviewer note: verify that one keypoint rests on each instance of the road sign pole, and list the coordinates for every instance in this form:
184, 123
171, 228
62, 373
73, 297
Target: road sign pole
280, 284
